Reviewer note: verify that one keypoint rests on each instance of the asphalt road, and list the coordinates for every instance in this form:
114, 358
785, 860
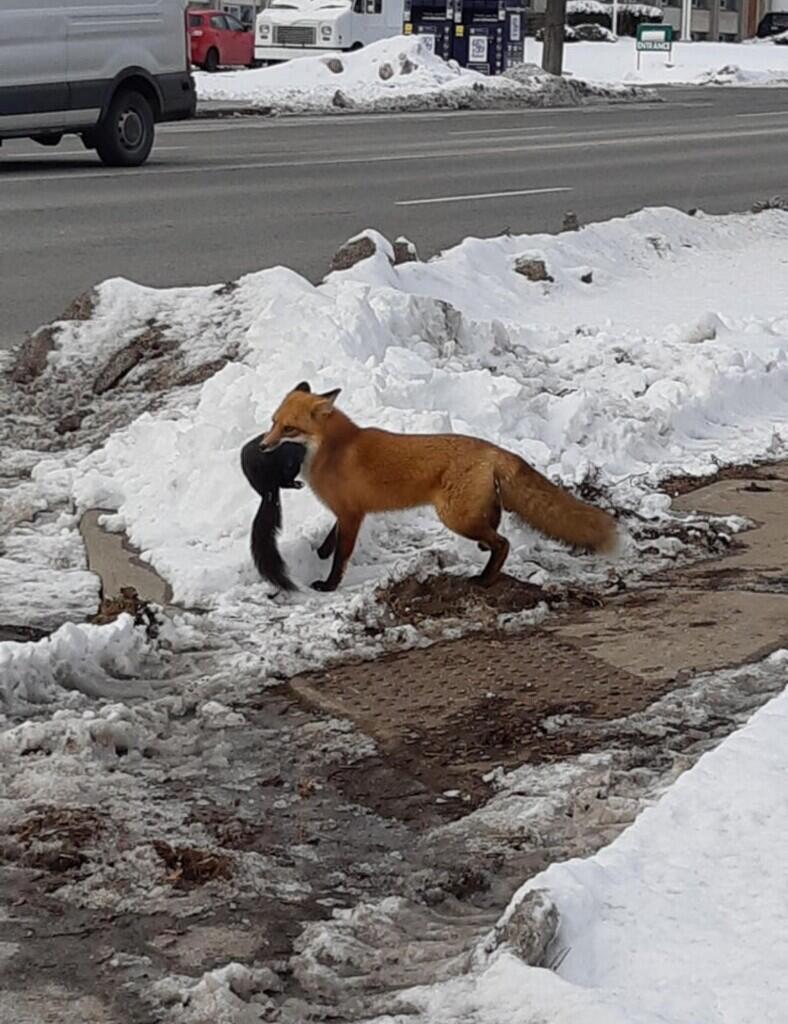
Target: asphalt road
220, 198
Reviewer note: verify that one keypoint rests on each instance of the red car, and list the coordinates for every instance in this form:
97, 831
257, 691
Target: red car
217, 38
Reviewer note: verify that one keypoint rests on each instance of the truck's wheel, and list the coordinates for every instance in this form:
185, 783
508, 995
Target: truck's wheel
211, 62
124, 138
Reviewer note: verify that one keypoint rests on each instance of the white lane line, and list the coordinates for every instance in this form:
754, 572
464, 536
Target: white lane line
507, 131
480, 195
206, 167
764, 113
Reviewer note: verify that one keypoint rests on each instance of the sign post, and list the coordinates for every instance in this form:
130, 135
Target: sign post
654, 37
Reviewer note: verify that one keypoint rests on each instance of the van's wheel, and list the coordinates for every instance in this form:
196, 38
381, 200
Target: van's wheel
211, 62
356, 46
124, 138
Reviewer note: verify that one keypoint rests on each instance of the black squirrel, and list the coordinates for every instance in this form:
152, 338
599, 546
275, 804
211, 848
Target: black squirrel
270, 470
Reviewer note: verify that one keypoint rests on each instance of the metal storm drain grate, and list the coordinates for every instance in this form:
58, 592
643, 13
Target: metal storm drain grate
446, 714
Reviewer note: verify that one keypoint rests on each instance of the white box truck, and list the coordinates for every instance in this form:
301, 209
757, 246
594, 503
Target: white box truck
106, 70
304, 28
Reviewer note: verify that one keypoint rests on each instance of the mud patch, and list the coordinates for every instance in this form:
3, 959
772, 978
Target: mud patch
149, 344
169, 374
55, 839
412, 600
683, 484
80, 308
127, 603
31, 359
188, 866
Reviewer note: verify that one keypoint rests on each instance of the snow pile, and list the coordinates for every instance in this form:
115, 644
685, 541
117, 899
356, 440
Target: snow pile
401, 73
688, 64
234, 994
680, 919
733, 74
613, 373
623, 379
597, 7
98, 661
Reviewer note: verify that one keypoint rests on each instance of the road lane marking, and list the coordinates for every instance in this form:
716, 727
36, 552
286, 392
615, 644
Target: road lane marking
653, 139
506, 131
763, 113
480, 195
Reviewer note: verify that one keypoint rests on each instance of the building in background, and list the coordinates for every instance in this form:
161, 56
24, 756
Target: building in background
724, 20
245, 11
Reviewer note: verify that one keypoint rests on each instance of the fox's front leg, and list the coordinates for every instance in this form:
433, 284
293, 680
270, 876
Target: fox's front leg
328, 547
347, 528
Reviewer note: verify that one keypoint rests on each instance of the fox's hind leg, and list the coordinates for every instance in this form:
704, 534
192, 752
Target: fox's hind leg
473, 510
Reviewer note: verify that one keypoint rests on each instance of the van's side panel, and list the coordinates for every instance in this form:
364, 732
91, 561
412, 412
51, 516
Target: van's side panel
106, 39
61, 60
33, 82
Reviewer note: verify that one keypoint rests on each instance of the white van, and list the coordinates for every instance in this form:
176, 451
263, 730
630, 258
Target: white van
303, 28
106, 70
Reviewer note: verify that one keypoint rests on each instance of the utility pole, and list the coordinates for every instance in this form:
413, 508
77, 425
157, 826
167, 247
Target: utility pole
714, 21
553, 50
686, 21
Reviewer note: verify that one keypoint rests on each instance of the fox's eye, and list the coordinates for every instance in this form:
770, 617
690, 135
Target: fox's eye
289, 431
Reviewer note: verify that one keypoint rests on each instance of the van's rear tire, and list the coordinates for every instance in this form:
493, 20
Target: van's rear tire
124, 138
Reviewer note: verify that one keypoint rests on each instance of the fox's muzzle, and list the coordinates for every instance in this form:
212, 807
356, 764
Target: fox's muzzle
268, 442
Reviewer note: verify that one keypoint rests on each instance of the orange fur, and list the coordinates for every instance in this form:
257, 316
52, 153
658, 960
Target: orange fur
356, 470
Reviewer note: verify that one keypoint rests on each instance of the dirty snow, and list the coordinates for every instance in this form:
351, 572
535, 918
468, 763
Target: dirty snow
680, 919
400, 73
614, 373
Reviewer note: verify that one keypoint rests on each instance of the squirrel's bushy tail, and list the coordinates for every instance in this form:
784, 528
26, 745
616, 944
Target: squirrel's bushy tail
265, 552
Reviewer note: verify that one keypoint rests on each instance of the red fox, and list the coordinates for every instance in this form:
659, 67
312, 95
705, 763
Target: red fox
356, 470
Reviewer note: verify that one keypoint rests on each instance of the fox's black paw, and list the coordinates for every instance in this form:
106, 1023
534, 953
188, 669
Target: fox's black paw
294, 485
324, 586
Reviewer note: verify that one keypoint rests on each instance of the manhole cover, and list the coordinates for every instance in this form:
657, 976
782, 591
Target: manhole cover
449, 713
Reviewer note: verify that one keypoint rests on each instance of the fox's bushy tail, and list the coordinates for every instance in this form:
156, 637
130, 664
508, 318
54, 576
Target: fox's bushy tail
552, 510
265, 552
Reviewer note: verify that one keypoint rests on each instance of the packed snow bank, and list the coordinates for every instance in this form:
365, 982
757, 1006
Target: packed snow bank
613, 372
623, 379
98, 661
750, 63
680, 919
400, 73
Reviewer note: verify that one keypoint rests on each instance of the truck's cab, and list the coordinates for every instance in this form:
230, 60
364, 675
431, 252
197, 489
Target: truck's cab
302, 28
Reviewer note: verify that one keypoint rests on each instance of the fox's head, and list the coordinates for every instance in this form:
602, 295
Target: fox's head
301, 417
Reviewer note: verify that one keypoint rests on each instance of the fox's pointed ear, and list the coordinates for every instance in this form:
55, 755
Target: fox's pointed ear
303, 386
331, 396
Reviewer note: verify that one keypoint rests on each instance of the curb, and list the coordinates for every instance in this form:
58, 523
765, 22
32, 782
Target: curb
215, 110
